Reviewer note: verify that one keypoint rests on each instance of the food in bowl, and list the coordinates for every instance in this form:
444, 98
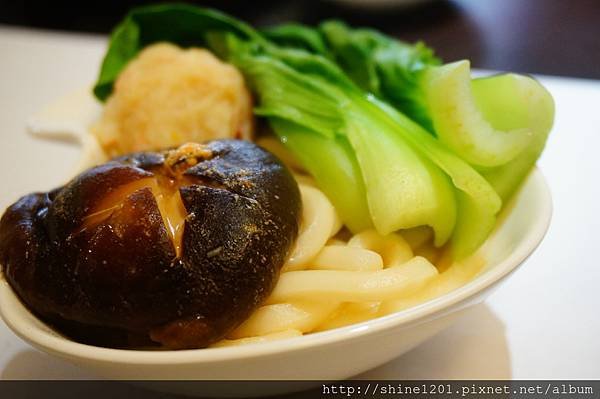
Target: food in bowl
402, 163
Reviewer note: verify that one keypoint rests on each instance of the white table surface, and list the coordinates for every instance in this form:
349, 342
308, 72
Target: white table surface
543, 323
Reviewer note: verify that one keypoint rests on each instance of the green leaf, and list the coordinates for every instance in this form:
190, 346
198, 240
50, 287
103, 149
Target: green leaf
286, 94
297, 36
384, 66
125, 45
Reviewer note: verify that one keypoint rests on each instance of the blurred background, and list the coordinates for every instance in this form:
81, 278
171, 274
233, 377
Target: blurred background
556, 37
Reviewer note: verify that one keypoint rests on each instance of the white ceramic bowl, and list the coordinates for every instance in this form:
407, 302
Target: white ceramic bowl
329, 355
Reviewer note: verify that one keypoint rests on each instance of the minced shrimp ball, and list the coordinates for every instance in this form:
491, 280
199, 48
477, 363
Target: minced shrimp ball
168, 95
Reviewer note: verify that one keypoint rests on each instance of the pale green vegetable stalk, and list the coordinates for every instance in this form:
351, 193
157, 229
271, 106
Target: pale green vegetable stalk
509, 101
460, 123
331, 161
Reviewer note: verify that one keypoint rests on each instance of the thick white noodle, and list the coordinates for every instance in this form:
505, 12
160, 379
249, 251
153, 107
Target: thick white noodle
318, 224
350, 313
393, 248
344, 257
302, 316
353, 286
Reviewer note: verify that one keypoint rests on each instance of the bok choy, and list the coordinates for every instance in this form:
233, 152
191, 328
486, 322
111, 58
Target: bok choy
498, 124
371, 118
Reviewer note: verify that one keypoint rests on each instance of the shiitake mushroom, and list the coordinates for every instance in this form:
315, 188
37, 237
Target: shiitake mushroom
175, 247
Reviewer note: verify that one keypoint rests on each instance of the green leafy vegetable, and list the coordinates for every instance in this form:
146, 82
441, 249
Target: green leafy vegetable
392, 137
297, 36
388, 68
498, 124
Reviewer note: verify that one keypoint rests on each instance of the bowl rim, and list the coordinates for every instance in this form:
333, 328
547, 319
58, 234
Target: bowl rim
21, 325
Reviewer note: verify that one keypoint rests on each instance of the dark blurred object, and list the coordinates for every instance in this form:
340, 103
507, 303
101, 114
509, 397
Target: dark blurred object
554, 37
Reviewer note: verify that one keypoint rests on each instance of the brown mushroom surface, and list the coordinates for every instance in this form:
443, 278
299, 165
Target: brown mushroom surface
175, 247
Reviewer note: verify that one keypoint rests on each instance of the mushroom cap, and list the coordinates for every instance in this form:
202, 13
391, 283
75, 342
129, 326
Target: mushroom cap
122, 279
